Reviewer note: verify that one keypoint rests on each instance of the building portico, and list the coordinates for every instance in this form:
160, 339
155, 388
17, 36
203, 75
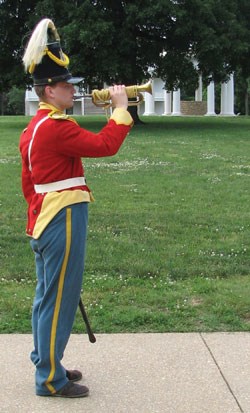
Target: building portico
166, 103
161, 102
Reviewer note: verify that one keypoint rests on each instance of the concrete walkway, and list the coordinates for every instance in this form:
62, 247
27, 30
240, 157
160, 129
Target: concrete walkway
137, 373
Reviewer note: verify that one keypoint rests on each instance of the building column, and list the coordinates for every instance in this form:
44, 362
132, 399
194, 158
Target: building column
176, 103
230, 96
149, 104
167, 102
210, 100
27, 107
227, 97
198, 92
223, 99
83, 106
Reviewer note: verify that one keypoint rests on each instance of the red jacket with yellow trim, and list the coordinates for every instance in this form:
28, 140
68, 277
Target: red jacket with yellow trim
55, 155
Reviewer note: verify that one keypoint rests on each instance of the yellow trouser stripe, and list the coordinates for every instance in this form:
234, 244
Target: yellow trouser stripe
58, 302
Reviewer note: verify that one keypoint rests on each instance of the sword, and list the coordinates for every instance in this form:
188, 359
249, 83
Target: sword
92, 338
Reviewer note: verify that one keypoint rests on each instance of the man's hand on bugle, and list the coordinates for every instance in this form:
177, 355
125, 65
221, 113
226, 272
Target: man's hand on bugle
118, 96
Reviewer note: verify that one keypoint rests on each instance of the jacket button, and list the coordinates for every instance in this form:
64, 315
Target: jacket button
34, 211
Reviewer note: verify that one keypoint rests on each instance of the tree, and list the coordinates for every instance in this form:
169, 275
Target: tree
241, 57
116, 41
217, 35
204, 31
122, 40
13, 31
242, 92
16, 99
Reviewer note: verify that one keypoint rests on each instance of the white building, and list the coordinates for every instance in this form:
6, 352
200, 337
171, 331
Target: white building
160, 102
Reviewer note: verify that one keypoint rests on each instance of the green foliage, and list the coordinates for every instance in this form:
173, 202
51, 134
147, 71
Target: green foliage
137, 33
242, 92
13, 32
16, 101
168, 241
119, 41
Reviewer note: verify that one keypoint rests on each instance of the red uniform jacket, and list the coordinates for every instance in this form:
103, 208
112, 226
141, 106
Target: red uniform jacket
51, 149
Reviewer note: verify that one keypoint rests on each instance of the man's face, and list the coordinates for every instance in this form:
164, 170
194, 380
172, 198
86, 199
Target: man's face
61, 95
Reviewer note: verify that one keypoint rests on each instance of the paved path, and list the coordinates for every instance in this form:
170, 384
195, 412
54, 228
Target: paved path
137, 373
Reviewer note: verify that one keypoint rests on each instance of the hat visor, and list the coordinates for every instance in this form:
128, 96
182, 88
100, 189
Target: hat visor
74, 80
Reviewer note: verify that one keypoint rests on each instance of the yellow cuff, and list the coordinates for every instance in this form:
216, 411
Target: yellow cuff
122, 117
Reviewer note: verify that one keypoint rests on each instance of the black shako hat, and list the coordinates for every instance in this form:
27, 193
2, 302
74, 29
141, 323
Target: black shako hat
53, 68
44, 58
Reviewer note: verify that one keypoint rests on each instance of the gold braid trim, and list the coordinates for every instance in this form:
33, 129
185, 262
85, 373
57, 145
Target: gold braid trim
60, 62
55, 113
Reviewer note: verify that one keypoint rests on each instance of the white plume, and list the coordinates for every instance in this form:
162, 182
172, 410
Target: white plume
39, 39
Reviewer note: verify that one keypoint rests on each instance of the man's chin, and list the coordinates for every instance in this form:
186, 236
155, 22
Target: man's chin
70, 105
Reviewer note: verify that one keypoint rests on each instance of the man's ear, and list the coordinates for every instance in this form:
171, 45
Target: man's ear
49, 92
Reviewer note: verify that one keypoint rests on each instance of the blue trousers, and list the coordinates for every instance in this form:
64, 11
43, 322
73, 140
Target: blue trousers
59, 257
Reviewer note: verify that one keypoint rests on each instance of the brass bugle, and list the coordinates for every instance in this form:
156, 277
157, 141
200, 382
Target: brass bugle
101, 98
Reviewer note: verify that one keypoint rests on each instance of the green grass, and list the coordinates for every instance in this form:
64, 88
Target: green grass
168, 242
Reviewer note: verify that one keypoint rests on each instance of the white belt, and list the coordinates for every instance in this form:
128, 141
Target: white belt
59, 185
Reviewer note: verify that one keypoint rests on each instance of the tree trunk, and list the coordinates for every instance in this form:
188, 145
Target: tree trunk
246, 103
1, 104
133, 110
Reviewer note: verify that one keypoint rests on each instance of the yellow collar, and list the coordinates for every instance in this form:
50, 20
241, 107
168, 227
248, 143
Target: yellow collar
55, 113
44, 105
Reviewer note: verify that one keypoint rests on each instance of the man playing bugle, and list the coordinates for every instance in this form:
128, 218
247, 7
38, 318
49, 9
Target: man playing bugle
57, 195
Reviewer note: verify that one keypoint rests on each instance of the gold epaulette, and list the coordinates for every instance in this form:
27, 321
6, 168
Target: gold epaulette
122, 117
60, 116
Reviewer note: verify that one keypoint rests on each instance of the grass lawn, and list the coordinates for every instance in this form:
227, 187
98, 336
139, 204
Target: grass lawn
168, 242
